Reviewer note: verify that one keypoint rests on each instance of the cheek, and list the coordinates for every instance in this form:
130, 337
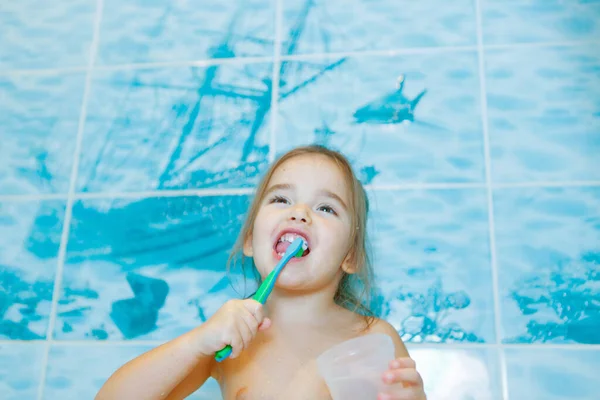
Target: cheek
261, 229
337, 233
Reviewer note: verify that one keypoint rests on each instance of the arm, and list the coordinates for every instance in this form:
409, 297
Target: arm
177, 368
173, 370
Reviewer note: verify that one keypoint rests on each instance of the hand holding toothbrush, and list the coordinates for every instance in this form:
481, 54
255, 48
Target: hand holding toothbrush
235, 324
295, 249
403, 371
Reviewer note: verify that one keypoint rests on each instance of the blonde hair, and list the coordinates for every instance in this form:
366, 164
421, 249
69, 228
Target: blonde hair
354, 290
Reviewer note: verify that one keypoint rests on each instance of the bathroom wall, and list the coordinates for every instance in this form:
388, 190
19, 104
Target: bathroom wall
133, 132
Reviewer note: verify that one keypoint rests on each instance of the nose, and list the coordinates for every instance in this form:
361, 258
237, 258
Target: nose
300, 214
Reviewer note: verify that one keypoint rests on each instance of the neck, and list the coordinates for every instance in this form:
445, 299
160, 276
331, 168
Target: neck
286, 306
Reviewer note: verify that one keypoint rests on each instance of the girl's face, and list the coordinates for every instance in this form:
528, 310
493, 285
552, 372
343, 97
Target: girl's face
307, 196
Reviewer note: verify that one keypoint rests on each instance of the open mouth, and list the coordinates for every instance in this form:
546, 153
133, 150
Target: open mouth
286, 239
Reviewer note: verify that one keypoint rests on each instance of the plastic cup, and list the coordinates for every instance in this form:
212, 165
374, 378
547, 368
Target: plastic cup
353, 369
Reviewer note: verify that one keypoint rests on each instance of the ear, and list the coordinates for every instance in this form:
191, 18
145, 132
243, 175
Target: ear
349, 264
248, 246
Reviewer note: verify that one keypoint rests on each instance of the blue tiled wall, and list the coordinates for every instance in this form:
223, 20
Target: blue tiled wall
132, 133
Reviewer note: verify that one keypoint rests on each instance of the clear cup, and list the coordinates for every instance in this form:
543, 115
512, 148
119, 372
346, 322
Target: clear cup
353, 369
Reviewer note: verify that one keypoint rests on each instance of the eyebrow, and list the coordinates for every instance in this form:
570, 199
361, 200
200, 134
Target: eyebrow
323, 192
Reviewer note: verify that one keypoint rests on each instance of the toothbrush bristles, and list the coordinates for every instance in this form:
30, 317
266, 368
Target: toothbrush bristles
300, 251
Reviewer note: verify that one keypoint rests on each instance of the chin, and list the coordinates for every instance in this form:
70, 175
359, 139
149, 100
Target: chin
291, 285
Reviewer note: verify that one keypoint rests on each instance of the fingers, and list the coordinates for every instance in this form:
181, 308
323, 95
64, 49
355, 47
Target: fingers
265, 324
250, 318
406, 376
255, 308
243, 335
404, 362
247, 328
403, 371
236, 342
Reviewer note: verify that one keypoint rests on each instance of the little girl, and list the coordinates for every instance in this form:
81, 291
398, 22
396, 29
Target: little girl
310, 192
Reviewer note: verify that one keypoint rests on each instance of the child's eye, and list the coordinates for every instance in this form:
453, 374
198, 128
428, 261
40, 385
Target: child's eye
278, 199
327, 209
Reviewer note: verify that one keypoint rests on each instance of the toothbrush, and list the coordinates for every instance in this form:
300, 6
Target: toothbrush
295, 249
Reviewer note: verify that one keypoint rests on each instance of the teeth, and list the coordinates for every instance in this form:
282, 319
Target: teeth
290, 237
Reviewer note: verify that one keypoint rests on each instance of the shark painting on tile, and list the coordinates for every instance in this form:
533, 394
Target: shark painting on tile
392, 108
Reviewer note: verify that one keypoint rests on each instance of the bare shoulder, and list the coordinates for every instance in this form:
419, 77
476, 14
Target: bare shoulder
382, 326
377, 326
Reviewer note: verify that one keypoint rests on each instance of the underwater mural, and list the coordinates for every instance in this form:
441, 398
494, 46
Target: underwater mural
133, 134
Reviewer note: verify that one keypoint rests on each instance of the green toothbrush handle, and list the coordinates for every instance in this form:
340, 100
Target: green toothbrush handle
261, 296
265, 288
223, 353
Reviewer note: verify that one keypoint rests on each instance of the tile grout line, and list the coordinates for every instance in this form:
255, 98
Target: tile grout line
424, 345
298, 57
490, 201
437, 50
143, 65
191, 63
413, 186
275, 81
70, 198
167, 193
33, 197
545, 184
380, 53
522, 346
536, 45
206, 192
